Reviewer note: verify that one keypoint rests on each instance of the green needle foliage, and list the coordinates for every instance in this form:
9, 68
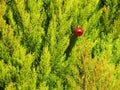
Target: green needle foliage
39, 51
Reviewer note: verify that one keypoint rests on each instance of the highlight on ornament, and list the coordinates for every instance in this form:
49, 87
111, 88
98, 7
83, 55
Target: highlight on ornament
78, 31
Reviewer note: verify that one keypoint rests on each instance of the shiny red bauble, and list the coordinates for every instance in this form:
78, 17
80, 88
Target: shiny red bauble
78, 31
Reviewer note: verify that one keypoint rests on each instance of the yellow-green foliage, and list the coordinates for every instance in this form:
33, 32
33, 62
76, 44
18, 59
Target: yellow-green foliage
38, 50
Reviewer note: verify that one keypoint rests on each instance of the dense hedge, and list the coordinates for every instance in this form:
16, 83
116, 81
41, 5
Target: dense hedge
38, 50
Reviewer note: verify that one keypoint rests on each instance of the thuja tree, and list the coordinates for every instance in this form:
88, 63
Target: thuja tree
39, 51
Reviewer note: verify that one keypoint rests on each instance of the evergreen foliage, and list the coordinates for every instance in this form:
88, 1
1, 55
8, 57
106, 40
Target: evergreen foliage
38, 50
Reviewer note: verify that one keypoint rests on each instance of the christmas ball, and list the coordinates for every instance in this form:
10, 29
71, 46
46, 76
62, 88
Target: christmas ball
78, 31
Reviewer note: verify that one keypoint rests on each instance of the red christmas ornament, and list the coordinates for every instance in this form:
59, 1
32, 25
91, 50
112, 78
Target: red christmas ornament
78, 31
